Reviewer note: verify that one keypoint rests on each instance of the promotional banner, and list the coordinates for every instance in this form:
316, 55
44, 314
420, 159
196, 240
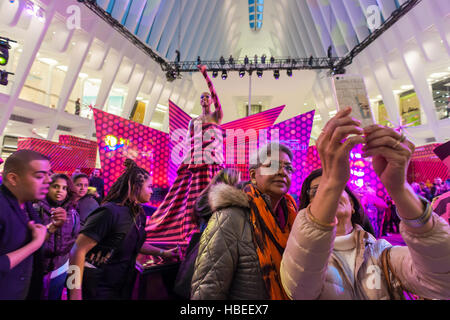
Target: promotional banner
119, 139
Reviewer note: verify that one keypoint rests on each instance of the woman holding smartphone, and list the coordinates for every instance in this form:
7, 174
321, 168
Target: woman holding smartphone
106, 249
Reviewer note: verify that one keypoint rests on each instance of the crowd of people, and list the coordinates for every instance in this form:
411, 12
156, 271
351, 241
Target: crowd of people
48, 221
251, 239
431, 190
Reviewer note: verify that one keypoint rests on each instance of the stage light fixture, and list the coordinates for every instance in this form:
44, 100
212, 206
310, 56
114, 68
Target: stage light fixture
259, 73
276, 74
4, 52
224, 74
215, 73
242, 73
289, 72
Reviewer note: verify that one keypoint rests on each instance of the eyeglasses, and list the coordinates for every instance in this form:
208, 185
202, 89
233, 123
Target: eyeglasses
277, 165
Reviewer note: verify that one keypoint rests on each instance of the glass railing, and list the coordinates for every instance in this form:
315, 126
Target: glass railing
41, 97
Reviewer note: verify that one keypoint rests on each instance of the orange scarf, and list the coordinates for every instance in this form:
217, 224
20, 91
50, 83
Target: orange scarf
270, 240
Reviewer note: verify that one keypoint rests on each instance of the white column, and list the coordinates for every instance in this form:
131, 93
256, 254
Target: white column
320, 103
414, 65
32, 42
157, 91
49, 85
149, 108
110, 73
384, 83
183, 96
134, 86
167, 116
78, 56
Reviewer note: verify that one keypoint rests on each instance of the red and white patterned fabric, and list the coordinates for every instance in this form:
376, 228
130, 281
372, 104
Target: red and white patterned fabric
173, 221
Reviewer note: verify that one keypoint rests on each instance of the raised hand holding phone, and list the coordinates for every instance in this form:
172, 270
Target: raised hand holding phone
350, 91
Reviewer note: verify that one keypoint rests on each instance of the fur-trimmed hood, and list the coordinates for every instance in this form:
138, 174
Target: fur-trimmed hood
223, 195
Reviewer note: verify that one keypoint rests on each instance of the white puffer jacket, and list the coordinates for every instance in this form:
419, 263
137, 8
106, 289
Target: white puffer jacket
310, 269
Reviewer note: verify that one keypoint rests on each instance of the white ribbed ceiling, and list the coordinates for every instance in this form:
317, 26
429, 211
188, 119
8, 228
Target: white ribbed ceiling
211, 28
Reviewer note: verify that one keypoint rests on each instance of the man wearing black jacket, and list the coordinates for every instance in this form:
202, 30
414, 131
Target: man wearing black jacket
97, 182
26, 177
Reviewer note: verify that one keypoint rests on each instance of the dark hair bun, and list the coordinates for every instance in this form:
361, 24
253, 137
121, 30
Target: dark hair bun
129, 164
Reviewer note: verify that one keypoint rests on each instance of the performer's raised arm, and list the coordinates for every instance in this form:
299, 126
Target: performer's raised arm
218, 108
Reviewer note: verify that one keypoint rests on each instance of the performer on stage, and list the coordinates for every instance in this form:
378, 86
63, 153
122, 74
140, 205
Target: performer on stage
173, 220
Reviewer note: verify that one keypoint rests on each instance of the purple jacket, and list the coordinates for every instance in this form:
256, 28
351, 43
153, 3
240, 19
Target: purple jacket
57, 248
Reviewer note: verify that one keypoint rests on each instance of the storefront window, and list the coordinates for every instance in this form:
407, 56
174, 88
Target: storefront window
116, 101
383, 117
441, 97
36, 85
410, 109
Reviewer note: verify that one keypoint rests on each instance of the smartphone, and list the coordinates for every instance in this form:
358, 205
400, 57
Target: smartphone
349, 90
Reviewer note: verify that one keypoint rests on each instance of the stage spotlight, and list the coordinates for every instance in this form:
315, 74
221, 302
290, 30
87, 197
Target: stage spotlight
171, 75
4, 52
224, 74
215, 73
289, 72
259, 73
276, 74
241, 73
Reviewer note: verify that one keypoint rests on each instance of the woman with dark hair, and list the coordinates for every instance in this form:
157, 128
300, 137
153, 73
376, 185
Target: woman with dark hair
56, 248
329, 256
105, 251
85, 201
309, 189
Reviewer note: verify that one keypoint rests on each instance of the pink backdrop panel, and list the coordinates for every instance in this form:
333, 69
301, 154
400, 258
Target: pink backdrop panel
119, 139
63, 158
425, 165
